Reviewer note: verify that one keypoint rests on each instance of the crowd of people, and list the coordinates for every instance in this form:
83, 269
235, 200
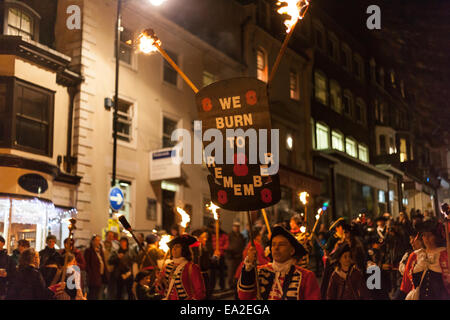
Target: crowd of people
284, 263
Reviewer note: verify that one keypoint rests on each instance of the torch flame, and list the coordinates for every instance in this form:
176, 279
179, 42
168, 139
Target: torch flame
303, 197
148, 41
296, 9
185, 218
165, 239
302, 229
213, 209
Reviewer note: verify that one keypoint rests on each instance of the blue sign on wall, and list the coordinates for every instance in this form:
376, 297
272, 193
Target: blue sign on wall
116, 198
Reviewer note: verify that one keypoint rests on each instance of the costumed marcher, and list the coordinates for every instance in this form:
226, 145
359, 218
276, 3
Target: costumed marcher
296, 223
283, 279
154, 253
233, 254
7, 269
427, 274
97, 273
123, 260
218, 266
336, 238
415, 244
203, 251
347, 281
181, 279
144, 290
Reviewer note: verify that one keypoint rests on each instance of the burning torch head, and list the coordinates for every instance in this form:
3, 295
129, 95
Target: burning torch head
296, 9
148, 41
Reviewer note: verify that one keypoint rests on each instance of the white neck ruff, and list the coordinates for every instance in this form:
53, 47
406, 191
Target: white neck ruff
283, 267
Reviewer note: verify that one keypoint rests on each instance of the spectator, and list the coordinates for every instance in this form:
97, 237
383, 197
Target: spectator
96, 268
22, 244
79, 258
28, 283
123, 260
49, 252
143, 289
109, 246
7, 269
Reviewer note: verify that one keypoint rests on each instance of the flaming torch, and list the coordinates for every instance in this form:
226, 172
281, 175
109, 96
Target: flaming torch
303, 199
163, 245
318, 215
213, 208
296, 9
148, 42
185, 219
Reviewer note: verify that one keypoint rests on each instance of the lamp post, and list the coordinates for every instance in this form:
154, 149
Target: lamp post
116, 90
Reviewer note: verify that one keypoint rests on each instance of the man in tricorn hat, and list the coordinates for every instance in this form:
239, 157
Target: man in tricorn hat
182, 279
283, 279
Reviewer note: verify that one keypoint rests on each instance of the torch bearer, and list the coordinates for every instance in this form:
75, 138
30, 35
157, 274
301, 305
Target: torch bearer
127, 227
185, 219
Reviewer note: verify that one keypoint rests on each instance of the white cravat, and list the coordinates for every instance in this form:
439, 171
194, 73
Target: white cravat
281, 269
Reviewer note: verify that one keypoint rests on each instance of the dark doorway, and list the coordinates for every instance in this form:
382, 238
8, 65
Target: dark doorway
168, 202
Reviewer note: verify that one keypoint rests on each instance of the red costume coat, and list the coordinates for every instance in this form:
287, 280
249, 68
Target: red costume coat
407, 281
298, 284
188, 286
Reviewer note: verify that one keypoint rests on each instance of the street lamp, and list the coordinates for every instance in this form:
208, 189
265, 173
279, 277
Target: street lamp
116, 89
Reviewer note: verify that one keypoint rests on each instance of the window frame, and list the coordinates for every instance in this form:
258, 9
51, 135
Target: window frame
333, 107
323, 75
12, 100
360, 102
355, 144
363, 146
342, 140
347, 57
347, 93
323, 125
35, 17
262, 74
294, 94
163, 134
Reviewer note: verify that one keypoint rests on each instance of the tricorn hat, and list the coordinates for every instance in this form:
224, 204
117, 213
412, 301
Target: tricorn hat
281, 231
152, 238
434, 227
184, 240
339, 222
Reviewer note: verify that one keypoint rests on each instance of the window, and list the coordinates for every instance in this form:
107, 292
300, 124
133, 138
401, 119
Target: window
319, 36
320, 87
382, 139
126, 46
125, 121
381, 196
363, 153
322, 133
33, 118
208, 78
358, 67
350, 147
347, 103
313, 134
335, 96
403, 152
169, 74
333, 50
347, 57
360, 111
262, 70
20, 23
337, 140
379, 111
381, 77
392, 75
169, 126
392, 147
294, 85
